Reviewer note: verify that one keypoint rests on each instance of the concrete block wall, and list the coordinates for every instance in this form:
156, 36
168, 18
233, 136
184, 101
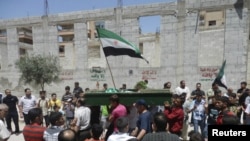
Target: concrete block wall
236, 47
168, 44
38, 39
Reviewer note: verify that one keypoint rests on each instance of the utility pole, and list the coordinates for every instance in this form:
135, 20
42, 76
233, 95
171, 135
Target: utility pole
46, 8
119, 16
119, 3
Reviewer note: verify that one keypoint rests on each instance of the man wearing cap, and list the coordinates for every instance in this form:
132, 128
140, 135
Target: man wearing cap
144, 120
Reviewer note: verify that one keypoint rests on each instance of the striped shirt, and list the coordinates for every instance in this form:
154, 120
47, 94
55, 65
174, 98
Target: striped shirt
51, 134
33, 132
66, 97
160, 136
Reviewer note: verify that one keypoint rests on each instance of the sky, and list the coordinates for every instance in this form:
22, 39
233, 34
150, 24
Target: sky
10, 9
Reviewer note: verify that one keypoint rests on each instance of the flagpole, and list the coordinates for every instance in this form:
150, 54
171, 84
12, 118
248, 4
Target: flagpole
108, 65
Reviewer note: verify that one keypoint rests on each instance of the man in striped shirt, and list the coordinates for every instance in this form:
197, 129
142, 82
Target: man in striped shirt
56, 120
34, 131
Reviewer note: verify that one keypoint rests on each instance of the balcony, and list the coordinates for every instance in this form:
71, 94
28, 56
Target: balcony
66, 32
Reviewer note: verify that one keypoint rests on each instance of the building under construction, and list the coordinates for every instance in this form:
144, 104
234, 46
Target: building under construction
194, 38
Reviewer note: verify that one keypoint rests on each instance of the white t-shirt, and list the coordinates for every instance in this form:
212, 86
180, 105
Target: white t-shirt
4, 132
83, 117
180, 90
199, 112
247, 110
119, 137
27, 103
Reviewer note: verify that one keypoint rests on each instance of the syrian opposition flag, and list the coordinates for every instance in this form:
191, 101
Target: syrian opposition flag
115, 45
221, 78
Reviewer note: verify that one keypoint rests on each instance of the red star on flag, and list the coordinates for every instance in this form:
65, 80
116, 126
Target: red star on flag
115, 43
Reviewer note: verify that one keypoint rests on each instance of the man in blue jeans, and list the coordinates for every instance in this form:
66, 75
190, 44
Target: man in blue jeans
198, 110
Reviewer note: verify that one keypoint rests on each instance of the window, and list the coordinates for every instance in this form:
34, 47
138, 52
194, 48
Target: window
61, 51
99, 24
211, 19
149, 24
25, 35
22, 52
94, 51
3, 33
141, 47
212, 23
91, 27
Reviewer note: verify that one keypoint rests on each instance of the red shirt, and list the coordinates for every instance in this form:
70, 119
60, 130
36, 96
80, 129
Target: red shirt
220, 116
33, 132
175, 118
92, 139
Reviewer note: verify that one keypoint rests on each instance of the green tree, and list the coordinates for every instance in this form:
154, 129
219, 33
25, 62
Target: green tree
39, 70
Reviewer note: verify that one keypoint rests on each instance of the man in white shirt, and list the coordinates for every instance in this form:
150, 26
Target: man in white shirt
183, 89
81, 123
122, 134
4, 133
26, 103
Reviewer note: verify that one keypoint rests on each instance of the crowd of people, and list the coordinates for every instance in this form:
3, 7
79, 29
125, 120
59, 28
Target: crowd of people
69, 118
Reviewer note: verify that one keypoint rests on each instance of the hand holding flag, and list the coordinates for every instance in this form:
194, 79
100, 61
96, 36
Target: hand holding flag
221, 78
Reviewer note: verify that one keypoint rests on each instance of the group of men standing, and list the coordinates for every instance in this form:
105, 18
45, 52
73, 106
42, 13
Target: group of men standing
204, 108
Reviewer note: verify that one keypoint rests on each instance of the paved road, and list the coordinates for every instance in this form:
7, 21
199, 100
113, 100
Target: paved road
19, 137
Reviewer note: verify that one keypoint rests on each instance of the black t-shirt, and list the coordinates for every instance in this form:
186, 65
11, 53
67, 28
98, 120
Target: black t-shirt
1, 96
194, 92
213, 113
11, 102
242, 98
77, 91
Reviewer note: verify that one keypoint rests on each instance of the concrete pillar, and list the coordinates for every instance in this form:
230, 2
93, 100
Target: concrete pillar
12, 48
45, 35
118, 14
80, 46
248, 47
180, 39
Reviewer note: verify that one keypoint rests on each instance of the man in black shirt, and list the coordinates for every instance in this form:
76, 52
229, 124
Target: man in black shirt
242, 94
77, 90
11, 101
1, 98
